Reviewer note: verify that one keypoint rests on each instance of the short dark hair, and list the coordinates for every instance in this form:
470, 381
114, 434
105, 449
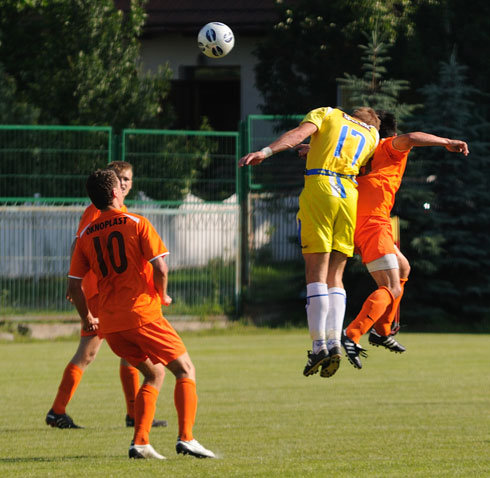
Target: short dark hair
367, 115
99, 187
119, 166
388, 124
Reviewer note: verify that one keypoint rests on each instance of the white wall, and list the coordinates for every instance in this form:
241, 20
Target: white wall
180, 50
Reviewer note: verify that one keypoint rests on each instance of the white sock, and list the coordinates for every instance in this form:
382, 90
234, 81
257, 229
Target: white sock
316, 311
335, 317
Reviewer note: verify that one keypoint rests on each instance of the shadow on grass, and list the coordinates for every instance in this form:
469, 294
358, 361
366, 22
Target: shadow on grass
46, 459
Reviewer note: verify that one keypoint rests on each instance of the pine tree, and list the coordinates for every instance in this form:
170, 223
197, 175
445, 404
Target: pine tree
372, 89
449, 238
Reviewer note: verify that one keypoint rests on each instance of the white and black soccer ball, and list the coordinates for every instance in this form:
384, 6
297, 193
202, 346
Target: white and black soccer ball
215, 39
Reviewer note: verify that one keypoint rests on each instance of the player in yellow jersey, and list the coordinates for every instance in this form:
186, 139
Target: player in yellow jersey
340, 144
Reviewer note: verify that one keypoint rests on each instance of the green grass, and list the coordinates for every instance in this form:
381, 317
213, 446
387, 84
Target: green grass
421, 414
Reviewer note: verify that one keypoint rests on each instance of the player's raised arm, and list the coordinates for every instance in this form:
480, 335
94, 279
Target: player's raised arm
286, 141
418, 138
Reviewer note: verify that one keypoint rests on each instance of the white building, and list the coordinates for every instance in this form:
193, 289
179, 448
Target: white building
221, 89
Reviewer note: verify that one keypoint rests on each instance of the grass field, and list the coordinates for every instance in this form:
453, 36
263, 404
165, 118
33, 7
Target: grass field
425, 413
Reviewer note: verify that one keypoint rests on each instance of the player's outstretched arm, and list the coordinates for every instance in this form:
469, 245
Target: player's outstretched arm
286, 141
406, 141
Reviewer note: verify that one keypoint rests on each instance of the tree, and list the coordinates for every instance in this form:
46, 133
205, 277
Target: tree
77, 61
372, 89
314, 43
432, 30
448, 228
13, 111
375, 90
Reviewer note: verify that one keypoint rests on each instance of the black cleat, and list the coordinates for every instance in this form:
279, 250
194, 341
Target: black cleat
315, 361
388, 342
60, 420
155, 423
333, 363
353, 351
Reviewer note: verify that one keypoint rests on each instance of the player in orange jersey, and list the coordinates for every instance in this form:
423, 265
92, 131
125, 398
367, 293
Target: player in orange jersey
117, 246
374, 237
90, 342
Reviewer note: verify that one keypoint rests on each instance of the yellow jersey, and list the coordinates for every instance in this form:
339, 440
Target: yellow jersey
341, 145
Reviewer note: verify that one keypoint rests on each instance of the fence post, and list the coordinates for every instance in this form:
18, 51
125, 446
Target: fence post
244, 198
116, 148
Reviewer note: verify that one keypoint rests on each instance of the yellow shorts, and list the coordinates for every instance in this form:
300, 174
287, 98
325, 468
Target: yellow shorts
326, 221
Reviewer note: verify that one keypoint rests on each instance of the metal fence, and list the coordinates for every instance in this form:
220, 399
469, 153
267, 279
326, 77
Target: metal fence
50, 161
218, 221
274, 189
185, 183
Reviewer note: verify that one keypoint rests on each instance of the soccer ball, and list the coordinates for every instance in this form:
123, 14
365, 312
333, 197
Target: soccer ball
215, 39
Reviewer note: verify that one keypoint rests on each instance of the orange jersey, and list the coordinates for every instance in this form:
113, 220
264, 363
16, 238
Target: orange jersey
118, 247
89, 283
378, 185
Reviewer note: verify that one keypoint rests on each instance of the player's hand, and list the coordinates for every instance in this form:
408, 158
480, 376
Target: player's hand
457, 146
166, 300
303, 149
90, 324
252, 159
68, 296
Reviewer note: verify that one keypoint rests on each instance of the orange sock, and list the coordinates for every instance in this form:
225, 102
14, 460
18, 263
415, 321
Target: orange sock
130, 380
185, 399
383, 325
144, 411
69, 383
372, 309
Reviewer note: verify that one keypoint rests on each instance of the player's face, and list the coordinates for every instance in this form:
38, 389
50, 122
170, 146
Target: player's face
126, 180
118, 196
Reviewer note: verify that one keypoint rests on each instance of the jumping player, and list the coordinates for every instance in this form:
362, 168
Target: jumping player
374, 236
340, 145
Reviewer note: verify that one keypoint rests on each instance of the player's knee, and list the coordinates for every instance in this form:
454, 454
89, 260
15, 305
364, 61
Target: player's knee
88, 357
183, 368
404, 269
396, 290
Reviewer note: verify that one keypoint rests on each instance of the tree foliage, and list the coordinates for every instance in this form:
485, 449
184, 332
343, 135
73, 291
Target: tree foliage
314, 43
373, 89
12, 110
447, 237
77, 61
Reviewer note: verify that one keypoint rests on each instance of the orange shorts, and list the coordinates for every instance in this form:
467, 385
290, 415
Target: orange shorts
93, 306
373, 238
156, 340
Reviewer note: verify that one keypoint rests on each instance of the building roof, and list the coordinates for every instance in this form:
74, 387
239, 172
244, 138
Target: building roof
187, 16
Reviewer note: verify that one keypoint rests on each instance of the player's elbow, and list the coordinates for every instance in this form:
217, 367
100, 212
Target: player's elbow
160, 266
413, 139
74, 287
